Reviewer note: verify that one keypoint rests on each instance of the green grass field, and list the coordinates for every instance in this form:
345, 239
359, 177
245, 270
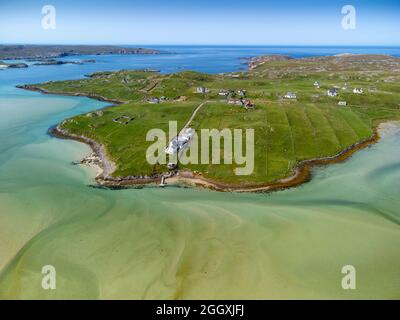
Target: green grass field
286, 132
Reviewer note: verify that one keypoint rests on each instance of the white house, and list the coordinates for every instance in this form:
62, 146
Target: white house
242, 93
202, 90
154, 100
317, 84
248, 104
238, 102
342, 103
358, 90
180, 142
290, 95
332, 92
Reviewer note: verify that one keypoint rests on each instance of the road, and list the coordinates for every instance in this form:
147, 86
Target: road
192, 116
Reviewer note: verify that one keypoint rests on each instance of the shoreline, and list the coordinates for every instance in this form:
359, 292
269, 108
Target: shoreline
72, 94
302, 172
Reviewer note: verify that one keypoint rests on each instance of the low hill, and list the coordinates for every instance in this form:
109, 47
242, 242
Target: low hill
58, 51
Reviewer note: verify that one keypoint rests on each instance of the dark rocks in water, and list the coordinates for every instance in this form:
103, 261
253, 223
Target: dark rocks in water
53, 62
23, 52
17, 65
48, 63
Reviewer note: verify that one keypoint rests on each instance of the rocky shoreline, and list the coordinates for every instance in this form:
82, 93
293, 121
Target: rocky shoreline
4, 65
104, 165
92, 96
302, 172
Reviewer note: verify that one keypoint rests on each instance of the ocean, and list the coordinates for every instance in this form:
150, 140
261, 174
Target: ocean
182, 243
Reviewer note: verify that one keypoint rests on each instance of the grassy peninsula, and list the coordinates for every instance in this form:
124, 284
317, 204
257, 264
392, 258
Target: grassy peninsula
309, 108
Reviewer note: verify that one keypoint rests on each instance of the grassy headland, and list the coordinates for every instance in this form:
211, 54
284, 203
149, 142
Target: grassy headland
287, 131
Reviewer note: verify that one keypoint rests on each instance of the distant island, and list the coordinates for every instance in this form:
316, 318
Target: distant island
305, 112
54, 62
4, 65
42, 62
35, 52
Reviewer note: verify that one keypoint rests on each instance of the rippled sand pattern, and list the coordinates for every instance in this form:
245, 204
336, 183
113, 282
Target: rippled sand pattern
178, 243
152, 245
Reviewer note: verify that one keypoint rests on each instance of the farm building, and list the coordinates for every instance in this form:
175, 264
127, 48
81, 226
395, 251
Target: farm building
332, 92
242, 93
290, 95
202, 90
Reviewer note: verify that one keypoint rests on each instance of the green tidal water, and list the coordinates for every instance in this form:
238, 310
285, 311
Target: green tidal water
180, 243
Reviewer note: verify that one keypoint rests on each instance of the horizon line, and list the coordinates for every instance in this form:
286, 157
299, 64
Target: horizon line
208, 45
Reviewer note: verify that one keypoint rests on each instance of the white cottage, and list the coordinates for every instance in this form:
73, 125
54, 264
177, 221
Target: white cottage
202, 90
332, 92
358, 90
290, 95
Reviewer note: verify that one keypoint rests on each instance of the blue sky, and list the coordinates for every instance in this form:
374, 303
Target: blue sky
219, 22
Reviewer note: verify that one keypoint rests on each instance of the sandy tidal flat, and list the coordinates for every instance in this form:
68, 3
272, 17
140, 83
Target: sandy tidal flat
186, 244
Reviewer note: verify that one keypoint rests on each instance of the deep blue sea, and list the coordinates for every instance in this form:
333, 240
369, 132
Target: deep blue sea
210, 59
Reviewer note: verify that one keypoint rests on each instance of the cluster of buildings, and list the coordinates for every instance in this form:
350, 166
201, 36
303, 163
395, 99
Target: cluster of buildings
230, 93
156, 100
242, 103
333, 92
224, 93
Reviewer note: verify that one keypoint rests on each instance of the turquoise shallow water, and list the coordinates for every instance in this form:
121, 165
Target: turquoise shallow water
183, 243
